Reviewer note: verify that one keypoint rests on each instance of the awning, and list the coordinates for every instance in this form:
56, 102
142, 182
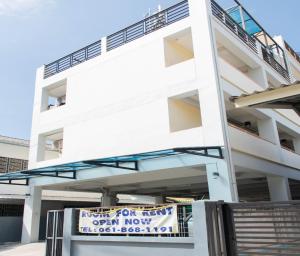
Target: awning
128, 162
283, 97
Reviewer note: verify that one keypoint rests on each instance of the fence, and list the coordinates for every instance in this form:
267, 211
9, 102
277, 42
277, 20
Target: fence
184, 216
263, 228
126, 35
218, 228
292, 52
73, 59
148, 25
269, 58
229, 22
250, 40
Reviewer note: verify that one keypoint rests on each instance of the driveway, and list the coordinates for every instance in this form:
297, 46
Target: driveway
35, 249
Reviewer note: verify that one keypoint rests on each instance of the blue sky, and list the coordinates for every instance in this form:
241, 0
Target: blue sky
35, 32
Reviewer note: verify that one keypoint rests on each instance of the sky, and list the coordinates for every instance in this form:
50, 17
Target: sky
36, 32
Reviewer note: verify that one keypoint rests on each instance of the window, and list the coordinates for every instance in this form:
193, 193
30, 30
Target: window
178, 47
50, 145
54, 95
184, 111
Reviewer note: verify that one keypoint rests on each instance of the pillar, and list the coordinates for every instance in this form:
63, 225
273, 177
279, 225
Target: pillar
31, 216
219, 185
296, 142
211, 97
69, 230
279, 188
200, 235
267, 129
108, 198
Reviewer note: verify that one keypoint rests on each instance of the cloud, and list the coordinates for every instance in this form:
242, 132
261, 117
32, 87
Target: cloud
22, 7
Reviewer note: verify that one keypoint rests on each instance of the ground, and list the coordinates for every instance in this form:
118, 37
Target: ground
35, 249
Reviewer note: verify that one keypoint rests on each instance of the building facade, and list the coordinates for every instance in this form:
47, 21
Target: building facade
166, 83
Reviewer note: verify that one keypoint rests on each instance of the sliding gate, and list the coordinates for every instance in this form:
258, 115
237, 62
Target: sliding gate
263, 228
54, 233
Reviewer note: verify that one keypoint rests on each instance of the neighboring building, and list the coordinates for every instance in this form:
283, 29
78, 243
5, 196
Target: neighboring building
166, 83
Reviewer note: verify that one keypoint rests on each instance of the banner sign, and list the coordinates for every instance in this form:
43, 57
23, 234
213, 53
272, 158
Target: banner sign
160, 220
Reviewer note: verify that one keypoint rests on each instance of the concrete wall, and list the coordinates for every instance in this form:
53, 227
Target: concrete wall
117, 103
14, 151
133, 246
196, 244
10, 229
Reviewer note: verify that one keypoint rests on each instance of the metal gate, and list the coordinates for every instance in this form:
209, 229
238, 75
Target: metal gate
54, 233
263, 228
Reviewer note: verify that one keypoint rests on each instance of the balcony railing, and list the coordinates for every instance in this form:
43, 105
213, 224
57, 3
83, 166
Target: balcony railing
292, 52
268, 57
230, 23
250, 40
241, 126
148, 25
135, 31
73, 59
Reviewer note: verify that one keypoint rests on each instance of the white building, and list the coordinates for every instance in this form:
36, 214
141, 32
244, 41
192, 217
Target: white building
165, 83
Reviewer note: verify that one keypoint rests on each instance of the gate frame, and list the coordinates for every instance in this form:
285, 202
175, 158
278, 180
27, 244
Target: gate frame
54, 238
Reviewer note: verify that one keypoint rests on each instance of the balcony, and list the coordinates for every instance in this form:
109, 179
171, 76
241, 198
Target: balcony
144, 27
246, 141
292, 52
243, 25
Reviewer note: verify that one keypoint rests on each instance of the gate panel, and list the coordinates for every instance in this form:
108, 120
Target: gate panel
54, 233
263, 228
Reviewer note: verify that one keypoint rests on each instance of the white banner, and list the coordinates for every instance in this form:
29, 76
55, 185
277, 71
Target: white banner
160, 220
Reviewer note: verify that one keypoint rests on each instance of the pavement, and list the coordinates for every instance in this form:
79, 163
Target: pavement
13, 249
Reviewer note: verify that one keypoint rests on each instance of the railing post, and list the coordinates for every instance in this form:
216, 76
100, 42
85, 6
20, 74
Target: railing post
125, 35
57, 67
86, 53
103, 45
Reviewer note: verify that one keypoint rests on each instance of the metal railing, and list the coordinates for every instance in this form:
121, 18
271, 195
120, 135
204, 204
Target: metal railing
268, 57
73, 59
230, 23
249, 40
292, 52
148, 25
184, 215
126, 35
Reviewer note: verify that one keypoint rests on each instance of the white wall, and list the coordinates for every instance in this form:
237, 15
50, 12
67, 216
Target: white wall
14, 151
117, 103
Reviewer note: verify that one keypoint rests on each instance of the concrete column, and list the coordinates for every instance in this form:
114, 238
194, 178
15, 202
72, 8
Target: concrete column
200, 237
267, 129
214, 126
69, 230
259, 75
32, 214
279, 188
219, 182
108, 198
296, 142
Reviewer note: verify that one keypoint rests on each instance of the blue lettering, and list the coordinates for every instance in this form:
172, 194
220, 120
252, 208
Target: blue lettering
146, 221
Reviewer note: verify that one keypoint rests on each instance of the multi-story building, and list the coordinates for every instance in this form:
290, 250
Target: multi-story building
164, 85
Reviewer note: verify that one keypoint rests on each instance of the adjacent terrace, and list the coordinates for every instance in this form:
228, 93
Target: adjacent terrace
236, 19
241, 23
296, 55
